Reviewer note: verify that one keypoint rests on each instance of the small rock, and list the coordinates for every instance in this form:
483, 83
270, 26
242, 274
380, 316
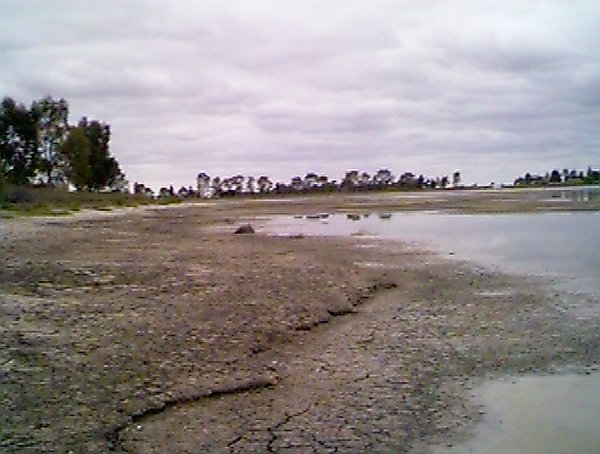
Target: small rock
244, 230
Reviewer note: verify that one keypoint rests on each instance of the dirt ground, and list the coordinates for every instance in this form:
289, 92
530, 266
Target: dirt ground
159, 330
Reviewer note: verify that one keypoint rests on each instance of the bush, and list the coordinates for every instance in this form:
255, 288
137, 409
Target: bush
32, 201
18, 194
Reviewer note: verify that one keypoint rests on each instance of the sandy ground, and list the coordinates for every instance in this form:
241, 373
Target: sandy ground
159, 330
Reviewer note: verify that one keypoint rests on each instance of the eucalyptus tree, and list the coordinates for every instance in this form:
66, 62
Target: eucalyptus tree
456, 180
265, 184
19, 153
76, 151
216, 185
250, 184
105, 170
88, 162
52, 127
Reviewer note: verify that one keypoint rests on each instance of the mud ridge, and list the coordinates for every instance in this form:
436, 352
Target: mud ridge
361, 296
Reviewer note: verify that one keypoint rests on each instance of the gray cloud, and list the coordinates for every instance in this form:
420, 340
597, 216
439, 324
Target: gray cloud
494, 88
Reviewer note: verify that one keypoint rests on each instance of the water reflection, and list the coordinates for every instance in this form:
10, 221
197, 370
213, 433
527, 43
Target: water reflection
562, 246
537, 415
581, 195
586, 194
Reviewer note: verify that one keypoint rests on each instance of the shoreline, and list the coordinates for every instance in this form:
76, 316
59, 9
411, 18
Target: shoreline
153, 312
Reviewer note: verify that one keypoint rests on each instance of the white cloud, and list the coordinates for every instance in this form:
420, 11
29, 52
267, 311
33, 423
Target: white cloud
286, 87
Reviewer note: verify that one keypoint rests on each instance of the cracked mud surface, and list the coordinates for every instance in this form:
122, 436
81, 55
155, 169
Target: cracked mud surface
153, 331
390, 377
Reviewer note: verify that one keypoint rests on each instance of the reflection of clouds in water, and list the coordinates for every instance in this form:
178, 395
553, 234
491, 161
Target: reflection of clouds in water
586, 195
562, 244
521, 415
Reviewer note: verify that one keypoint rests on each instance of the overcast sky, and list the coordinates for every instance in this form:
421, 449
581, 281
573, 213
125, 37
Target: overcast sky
493, 88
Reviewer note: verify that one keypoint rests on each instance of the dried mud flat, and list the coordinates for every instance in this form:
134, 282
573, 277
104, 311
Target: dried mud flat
160, 330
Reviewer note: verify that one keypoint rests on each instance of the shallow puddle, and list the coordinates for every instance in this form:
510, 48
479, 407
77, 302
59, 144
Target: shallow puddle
537, 415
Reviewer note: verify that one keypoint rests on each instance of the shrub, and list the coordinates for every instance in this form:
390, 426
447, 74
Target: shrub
18, 194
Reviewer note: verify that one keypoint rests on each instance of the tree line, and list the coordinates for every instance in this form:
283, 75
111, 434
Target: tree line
39, 147
353, 180
556, 177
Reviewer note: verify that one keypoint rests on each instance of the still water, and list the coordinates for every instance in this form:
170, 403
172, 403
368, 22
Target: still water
537, 415
564, 247
533, 414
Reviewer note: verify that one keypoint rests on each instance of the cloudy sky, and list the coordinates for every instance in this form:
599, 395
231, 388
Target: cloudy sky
493, 88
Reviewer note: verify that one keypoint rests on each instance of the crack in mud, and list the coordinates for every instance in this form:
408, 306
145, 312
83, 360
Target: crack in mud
283, 422
114, 436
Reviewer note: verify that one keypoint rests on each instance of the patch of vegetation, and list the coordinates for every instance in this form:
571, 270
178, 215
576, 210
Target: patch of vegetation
45, 201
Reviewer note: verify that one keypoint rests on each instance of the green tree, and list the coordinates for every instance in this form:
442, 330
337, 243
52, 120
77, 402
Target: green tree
105, 171
19, 154
53, 127
264, 184
76, 151
456, 178
555, 176
89, 163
